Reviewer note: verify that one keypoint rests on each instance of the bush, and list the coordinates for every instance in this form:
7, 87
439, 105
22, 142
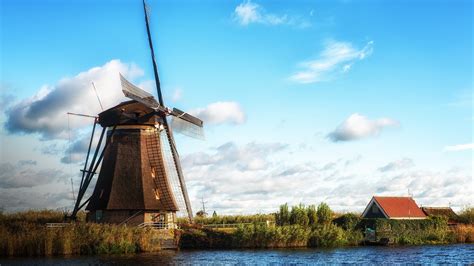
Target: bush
232, 219
347, 221
324, 213
283, 216
312, 215
462, 234
467, 215
327, 235
299, 215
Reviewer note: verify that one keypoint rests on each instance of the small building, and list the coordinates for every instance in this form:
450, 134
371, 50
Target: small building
393, 208
442, 211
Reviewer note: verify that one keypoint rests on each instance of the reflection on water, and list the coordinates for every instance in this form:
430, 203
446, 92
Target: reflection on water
459, 254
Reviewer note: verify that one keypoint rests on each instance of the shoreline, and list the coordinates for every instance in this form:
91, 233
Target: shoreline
25, 234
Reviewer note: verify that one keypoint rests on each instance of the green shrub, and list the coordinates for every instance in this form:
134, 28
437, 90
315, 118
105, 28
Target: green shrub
283, 216
327, 235
299, 215
324, 213
347, 221
467, 215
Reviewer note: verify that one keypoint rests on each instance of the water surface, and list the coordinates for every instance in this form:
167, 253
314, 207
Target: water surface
444, 254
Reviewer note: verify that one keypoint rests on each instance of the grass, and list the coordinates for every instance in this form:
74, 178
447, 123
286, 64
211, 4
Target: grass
25, 233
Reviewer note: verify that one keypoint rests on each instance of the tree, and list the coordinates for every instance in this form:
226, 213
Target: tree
467, 215
312, 215
324, 213
298, 215
283, 216
201, 213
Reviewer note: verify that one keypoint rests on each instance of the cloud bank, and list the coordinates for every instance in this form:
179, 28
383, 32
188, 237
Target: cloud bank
221, 113
357, 126
24, 174
336, 57
397, 165
258, 177
45, 112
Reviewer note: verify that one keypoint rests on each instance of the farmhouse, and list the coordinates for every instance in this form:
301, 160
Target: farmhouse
442, 211
393, 208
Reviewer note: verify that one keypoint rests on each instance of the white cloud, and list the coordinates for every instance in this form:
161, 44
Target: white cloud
460, 147
21, 199
45, 112
357, 126
397, 165
221, 113
335, 57
257, 177
248, 12
430, 188
25, 174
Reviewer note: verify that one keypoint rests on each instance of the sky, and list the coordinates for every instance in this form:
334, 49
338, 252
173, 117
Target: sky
303, 101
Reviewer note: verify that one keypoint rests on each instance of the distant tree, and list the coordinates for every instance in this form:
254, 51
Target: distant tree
324, 213
467, 215
312, 215
298, 215
283, 216
214, 214
201, 213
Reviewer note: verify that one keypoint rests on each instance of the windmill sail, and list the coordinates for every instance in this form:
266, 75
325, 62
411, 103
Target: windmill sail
137, 94
186, 128
173, 176
186, 124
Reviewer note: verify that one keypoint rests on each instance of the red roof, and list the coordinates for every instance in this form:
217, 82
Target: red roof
400, 207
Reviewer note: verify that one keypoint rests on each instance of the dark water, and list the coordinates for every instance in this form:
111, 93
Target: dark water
443, 254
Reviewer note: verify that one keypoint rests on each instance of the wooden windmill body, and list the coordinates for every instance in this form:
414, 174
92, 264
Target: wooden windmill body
133, 183
140, 179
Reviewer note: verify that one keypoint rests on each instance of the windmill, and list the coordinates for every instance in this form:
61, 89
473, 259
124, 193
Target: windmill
140, 179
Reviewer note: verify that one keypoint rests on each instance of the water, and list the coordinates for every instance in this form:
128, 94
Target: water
442, 254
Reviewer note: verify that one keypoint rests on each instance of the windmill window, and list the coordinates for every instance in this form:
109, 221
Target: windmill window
153, 172
157, 195
101, 193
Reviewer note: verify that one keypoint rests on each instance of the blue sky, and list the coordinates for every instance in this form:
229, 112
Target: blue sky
304, 101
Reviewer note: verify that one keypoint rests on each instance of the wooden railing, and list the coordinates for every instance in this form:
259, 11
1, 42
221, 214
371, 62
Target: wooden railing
234, 225
56, 225
159, 225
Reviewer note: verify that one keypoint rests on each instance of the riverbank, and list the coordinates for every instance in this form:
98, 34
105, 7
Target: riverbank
429, 232
26, 234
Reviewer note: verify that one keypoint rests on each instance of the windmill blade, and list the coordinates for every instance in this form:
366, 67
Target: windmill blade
173, 175
187, 124
186, 128
175, 157
135, 93
187, 117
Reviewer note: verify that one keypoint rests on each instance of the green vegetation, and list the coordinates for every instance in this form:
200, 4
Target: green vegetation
25, 233
309, 226
467, 215
232, 219
433, 230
